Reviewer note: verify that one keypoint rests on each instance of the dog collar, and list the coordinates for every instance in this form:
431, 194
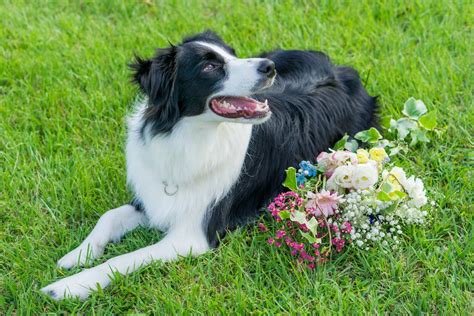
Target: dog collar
170, 190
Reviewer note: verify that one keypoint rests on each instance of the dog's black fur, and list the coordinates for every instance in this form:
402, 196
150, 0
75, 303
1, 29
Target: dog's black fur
313, 103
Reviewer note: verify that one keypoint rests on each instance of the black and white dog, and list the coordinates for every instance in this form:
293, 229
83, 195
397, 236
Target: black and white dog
208, 145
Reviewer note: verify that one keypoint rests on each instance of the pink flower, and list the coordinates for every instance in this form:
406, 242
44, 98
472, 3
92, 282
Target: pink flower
339, 243
297, 246
262, 227
347, 227
323, 202
280, 234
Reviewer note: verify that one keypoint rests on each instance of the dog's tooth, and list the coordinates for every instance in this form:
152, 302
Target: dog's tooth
266, 102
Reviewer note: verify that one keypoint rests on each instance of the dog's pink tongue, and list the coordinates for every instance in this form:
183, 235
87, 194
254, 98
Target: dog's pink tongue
234, 107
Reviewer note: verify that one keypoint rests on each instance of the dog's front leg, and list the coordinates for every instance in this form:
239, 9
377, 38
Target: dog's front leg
111, 227
178, 242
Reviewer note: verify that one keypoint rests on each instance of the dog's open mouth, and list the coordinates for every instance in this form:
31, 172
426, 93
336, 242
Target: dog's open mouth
239, 107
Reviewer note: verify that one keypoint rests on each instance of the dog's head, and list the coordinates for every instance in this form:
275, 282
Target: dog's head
202, 77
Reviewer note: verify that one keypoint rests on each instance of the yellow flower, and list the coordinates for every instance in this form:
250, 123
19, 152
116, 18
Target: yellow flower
362, 155
378, 154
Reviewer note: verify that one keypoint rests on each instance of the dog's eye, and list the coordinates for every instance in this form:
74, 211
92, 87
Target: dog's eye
209, 67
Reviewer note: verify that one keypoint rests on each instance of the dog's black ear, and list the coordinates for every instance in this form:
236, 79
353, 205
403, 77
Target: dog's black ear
156, 78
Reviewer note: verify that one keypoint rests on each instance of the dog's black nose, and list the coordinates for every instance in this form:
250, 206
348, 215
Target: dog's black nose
267, 67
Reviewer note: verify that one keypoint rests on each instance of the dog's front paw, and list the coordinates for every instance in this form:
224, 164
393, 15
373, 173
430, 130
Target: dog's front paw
79, 285
86, 252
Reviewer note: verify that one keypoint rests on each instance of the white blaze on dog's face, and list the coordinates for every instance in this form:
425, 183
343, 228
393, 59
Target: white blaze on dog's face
243, 77
205, 80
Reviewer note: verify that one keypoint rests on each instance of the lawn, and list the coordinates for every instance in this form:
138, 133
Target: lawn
65, 90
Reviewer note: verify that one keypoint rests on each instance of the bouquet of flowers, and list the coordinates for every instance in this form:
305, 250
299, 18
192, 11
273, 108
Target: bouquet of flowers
352, 196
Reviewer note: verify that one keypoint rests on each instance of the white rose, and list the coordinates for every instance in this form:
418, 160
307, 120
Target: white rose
416, 190
413, 186
342, 177
343, 157
364, 176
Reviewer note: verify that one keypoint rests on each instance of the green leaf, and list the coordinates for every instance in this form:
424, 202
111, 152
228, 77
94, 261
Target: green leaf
395, 150
391, 208
299, 217
395, 195
369, 136
309, 237
351, 145
393, 125
428, 121
284, 214
419, 135
340, 143
312, 225
404, 126
387, 187
290, 181
414, 108
384, 143
382, 196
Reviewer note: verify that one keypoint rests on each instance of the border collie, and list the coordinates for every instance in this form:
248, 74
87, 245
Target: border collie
208, 145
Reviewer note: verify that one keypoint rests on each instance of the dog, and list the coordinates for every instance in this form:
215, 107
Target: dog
208, 145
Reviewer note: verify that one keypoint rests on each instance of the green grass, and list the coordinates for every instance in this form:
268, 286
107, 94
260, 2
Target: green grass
64, 93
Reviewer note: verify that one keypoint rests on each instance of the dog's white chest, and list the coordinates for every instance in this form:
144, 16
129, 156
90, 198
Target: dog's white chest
198, 161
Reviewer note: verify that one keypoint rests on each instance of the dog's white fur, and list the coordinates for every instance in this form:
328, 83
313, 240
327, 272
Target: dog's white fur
202, 157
